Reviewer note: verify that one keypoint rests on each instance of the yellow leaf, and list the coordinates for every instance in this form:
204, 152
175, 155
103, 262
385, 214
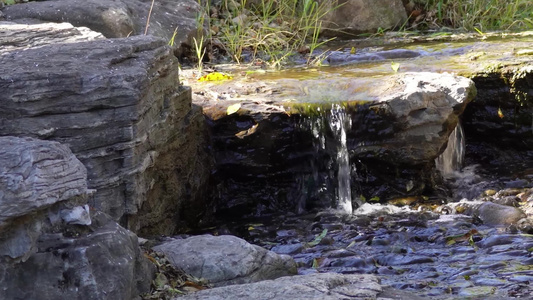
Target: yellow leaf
500, 113
215, 76
233, 108
352, 51
251, 228
395, 66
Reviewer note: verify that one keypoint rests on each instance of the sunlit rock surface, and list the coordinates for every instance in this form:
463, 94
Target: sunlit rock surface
116, 19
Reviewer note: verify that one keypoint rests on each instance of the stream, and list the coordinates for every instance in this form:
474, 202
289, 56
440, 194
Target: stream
433, 248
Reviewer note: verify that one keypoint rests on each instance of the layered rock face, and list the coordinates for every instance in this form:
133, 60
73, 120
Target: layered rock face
119, 106
52, 246
117, 18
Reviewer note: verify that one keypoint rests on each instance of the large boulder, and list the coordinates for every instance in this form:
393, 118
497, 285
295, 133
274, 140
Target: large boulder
52, 246
326, 286
348, 18
117, 18
226, 260
119, 106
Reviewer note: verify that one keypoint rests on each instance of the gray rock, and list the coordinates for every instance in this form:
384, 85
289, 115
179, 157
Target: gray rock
47, 251
497, 214
118, 104
325, 286
426, 106
20, 36
35, 175
362, 16
102, 261
226, 260
114, 19
490, 213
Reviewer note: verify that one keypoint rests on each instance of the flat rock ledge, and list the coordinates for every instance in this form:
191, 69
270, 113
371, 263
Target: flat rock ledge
324, 286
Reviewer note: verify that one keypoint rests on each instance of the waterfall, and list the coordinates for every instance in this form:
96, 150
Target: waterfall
451, 160
332, 171
338, 123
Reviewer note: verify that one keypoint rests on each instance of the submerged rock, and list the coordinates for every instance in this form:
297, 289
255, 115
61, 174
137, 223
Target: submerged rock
226, 260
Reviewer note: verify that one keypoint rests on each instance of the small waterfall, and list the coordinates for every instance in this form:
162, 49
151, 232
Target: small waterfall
338, 123
332, 169
451, 160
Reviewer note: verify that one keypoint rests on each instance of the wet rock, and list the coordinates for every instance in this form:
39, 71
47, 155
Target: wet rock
115, 19
495, 214
344, 58
326, 286
287, 249
392, 142
362, 16
119, 106
51, 245
490, 213
226, 260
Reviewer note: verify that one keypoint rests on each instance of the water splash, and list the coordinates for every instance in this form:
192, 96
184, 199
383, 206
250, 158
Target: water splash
452, 159
338, 122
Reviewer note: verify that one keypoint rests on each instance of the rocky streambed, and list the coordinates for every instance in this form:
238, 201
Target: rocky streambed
420, 246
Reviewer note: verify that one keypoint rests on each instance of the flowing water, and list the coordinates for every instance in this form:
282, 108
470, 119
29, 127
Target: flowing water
338, 123
329, 131
452, 159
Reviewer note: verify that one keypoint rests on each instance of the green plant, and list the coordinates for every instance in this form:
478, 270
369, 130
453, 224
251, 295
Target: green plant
481, 14
272, 30
200, 52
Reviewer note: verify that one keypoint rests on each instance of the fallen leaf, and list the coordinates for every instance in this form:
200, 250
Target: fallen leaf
245, 133
215, 76
395, 66
233, 108
500, 113
318, 239
352, 51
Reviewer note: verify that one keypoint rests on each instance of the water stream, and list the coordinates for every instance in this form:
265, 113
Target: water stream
338, 123
452, 159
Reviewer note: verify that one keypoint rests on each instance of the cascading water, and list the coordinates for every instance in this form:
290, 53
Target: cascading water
329, 132
338, 122
452, 159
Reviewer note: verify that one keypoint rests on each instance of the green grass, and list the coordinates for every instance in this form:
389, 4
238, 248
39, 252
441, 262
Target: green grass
272, 30
481, 15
